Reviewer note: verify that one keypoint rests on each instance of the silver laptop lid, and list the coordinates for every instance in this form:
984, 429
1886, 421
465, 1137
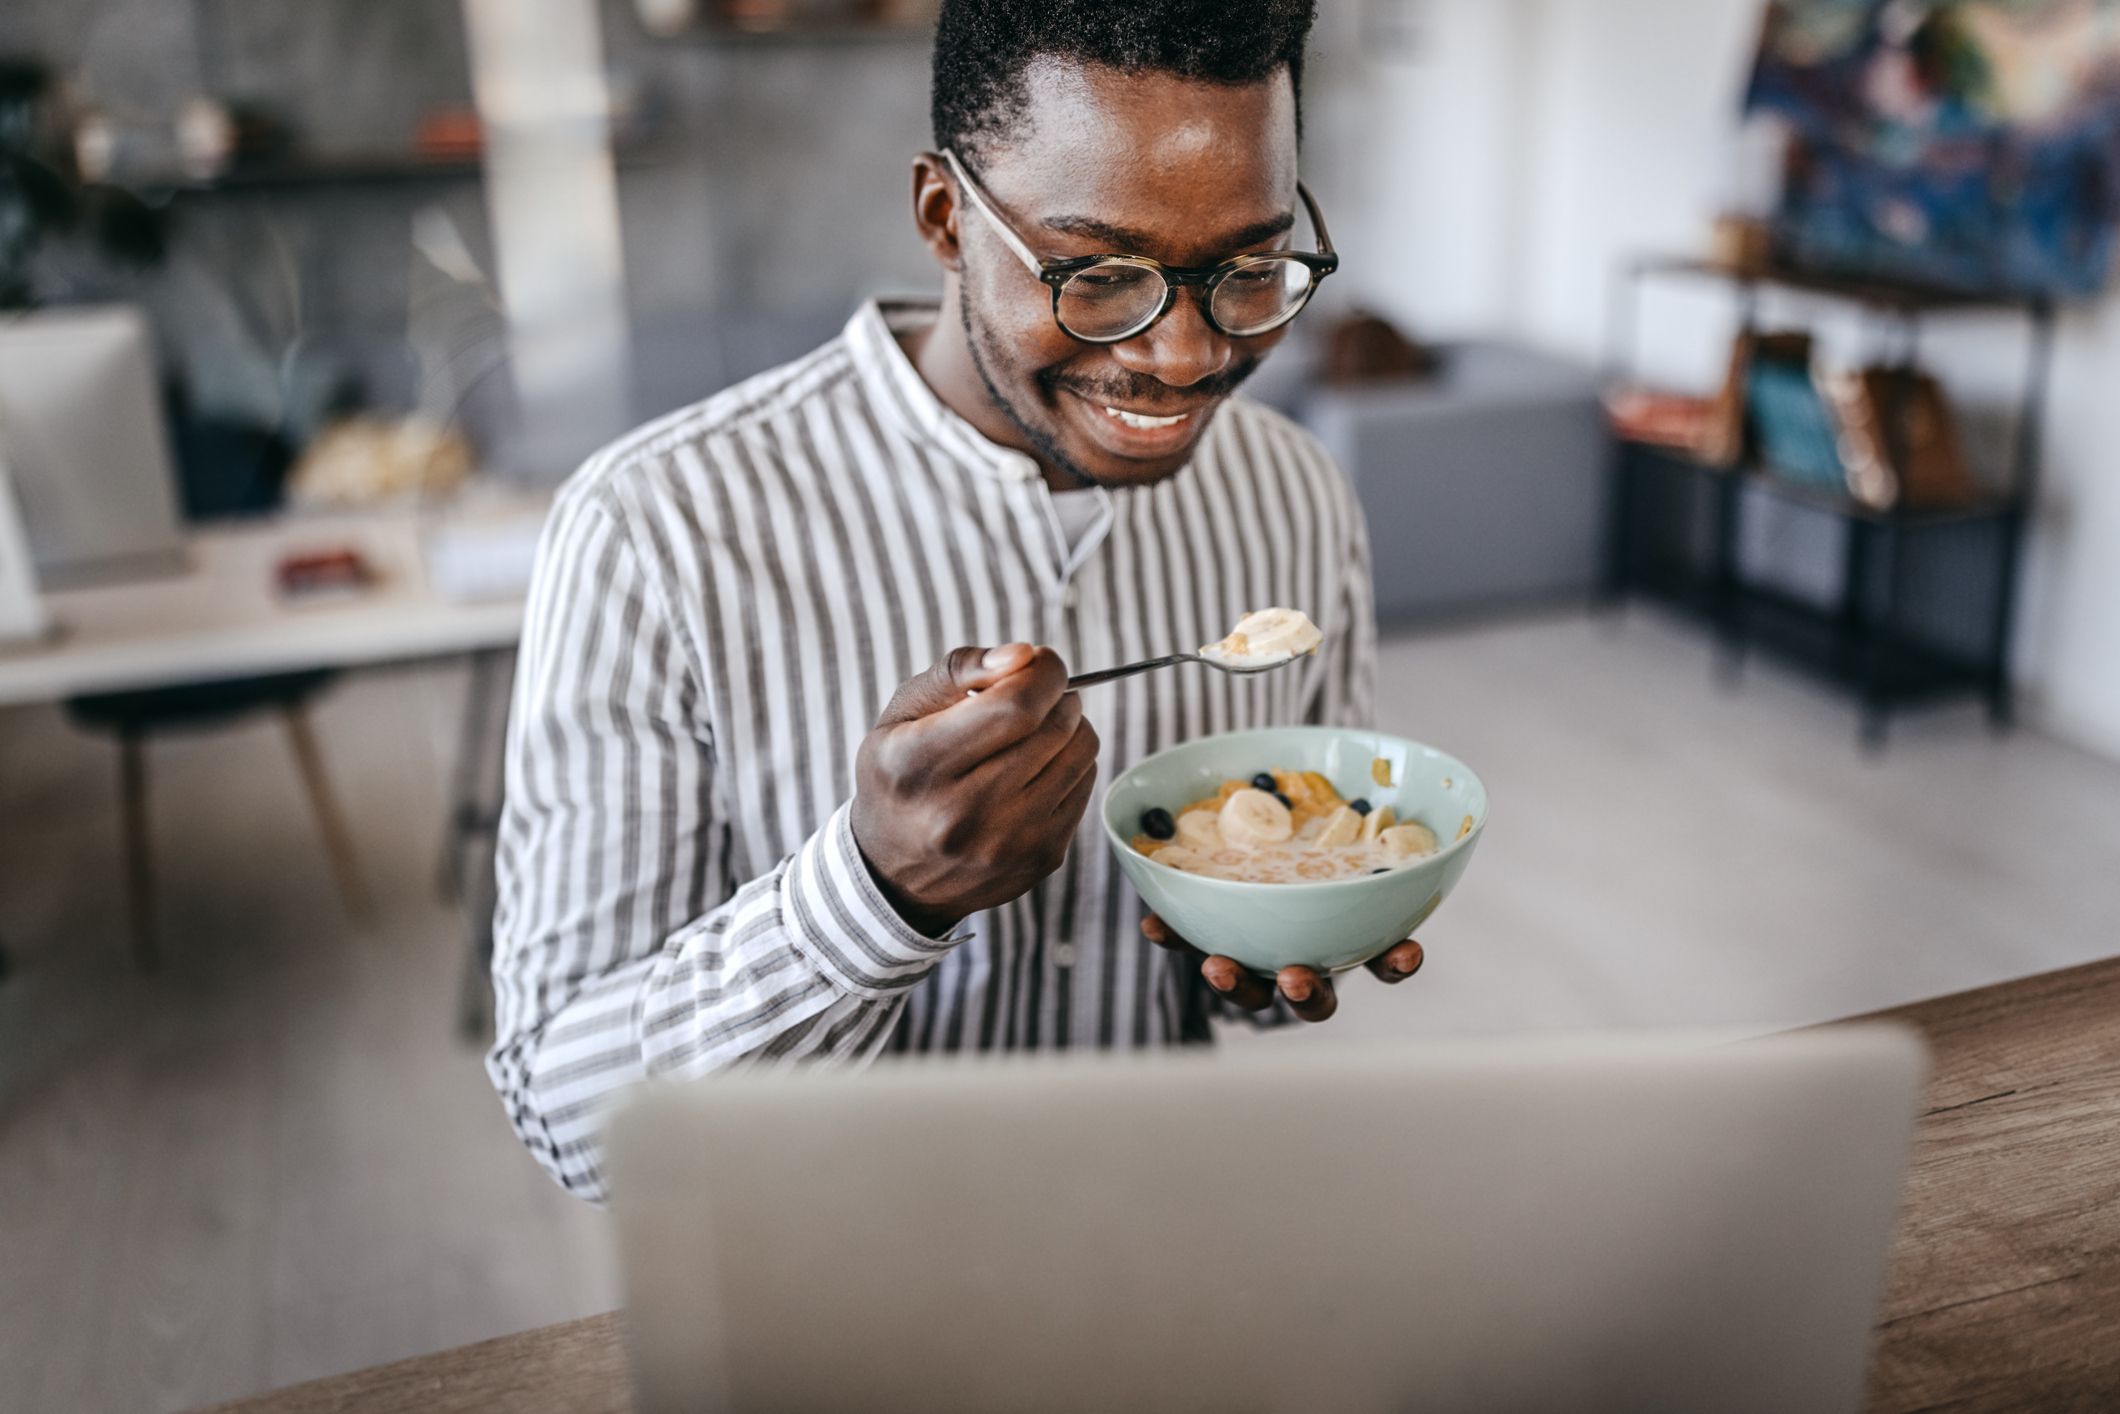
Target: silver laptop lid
1601, 1224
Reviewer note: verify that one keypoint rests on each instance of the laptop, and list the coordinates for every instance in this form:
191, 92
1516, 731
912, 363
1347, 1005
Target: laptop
1622, 1223
81, 431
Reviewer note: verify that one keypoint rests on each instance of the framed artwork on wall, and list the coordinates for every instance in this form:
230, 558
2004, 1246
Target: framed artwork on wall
1967, 144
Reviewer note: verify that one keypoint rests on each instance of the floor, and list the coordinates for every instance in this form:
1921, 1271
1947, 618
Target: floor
1666, 850
274, 1160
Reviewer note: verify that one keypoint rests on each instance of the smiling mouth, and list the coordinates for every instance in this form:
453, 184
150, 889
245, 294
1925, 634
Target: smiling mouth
1143, 422
1137, 436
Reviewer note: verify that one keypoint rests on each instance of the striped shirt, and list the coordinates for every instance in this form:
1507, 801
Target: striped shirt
724, 602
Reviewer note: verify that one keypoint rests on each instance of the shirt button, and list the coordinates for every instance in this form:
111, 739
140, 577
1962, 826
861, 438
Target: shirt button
1064, 955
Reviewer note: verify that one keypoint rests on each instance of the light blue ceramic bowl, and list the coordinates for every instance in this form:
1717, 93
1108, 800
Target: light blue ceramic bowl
1331, 926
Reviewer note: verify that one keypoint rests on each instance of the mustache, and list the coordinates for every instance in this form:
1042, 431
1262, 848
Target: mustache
1140, 388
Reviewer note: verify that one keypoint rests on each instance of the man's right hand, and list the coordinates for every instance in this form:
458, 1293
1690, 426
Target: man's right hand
962, 803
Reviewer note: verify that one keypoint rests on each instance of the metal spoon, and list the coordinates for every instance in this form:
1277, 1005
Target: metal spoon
1114, 674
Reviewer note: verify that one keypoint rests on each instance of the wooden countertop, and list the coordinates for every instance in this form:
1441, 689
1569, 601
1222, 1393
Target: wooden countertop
2005, 1277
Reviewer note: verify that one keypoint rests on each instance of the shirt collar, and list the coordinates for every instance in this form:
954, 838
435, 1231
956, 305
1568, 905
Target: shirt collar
905, 398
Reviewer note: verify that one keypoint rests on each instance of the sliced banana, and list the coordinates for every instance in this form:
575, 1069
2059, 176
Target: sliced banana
1253, 819
1198, 829
1343, 826
1376, 822
1267, 636
1407, 841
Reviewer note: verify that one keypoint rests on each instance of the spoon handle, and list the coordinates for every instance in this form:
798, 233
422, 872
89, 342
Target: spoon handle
1075, 684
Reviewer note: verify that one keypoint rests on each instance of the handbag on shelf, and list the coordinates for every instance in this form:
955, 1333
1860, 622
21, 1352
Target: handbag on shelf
1899, 439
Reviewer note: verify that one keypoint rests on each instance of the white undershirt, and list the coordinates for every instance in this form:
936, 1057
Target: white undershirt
1077, 512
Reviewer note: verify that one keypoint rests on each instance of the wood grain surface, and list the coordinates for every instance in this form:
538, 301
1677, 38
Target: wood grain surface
2005, 1281
578, 1367
2005, 1277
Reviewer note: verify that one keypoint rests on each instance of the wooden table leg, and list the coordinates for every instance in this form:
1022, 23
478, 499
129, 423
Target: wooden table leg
338, 841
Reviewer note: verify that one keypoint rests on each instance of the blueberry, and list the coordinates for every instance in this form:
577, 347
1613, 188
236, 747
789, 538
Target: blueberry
1284, 800
1360, 807
1265, 781
1158, 825
1380, 871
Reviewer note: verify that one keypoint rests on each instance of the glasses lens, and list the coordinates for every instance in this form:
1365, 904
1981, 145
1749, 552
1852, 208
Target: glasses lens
1111, 300
1254, 298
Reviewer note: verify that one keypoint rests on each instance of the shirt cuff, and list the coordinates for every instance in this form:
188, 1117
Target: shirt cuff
844, 924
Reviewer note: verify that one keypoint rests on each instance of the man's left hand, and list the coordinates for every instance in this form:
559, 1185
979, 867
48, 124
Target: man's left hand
1308, 992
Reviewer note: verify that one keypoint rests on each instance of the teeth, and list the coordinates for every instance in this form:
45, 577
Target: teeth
1135, 419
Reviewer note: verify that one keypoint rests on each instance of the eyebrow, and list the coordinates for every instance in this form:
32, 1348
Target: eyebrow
1127, 239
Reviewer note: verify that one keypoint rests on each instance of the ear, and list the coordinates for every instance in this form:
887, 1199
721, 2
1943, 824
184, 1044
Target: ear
935, 209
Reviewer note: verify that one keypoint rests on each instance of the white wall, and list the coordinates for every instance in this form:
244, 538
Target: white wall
1412, 119
2069, 627
1531, 145
1636, 103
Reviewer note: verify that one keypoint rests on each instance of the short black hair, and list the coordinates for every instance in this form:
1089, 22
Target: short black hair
983, 47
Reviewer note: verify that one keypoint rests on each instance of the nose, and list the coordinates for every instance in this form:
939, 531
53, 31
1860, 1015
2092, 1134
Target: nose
1180, 349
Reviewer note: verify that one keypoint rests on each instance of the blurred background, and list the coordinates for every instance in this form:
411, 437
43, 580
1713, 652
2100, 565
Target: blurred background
1728, 387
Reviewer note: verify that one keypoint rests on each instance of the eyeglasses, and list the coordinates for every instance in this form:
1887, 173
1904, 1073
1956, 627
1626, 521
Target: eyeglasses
1104, 299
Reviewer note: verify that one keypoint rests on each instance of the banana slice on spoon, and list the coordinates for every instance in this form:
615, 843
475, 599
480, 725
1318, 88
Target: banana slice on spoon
1265, 637
1261, 642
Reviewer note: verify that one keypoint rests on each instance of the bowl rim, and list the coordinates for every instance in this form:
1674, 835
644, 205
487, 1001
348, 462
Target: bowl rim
1125, 847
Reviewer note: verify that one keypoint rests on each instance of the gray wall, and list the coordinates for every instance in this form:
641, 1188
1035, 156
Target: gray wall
773, 179
791, 183
351, 75
772, 176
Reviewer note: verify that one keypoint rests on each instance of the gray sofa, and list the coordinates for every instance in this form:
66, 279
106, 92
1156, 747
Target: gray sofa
1484, 487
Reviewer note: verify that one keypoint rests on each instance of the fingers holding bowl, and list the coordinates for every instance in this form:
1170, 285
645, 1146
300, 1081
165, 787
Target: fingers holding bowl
1308, 992
1225, 976
1398, 963
1162, 935
1235, 983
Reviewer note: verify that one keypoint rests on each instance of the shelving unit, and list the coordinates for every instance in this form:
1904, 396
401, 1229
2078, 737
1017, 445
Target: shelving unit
303, 172
298, 174
1866, 643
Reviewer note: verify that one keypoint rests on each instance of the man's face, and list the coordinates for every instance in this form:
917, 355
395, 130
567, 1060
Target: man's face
1109, 163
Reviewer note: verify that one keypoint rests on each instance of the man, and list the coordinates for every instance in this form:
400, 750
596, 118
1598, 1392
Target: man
715, 851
